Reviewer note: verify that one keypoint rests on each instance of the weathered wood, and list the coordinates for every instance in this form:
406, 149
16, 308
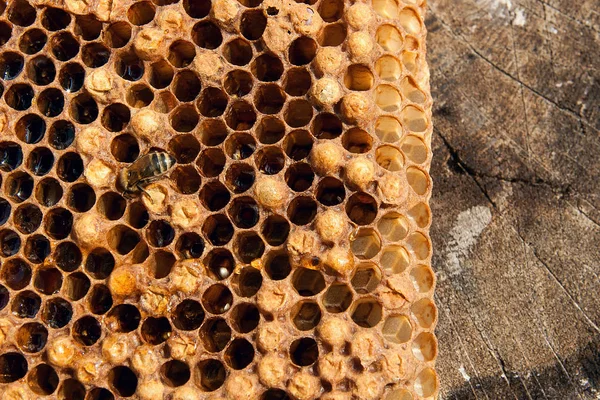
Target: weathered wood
516, 200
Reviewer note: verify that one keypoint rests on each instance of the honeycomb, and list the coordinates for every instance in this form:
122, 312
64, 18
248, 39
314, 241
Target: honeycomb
286, 253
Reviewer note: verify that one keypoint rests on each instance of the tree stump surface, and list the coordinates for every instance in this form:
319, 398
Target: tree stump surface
516, 203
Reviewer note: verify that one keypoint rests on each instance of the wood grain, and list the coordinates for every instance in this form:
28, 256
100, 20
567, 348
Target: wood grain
516, 86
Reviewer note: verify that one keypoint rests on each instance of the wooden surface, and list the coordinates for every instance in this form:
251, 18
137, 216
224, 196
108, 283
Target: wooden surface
516, 202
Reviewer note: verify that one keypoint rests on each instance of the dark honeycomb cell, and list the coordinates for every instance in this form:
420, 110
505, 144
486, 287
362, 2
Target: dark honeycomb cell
87, 330
357, 141
244, 212
207, 35
161, 74
160, 233
140, 96
218, 229
181, 53
95, 55
270, 160
361, 208
5, 32
249, 247
214, 195
188, 315
275, 230
26, 304
240, 177
71, 77
299, 176
212, 102
100, 393
165, 102
162, 263
212, 132
124, 317
27, 218
138, 215
220, 263
13, 366
275, 394
116, 117
238, 52
125, 148
57, 313
241, 115
55, 19
117, 34
112, 206
71, 389
123, 381
251, 3
100, 300
43, 380
48, 280
217, 299
11, 65
141, 13
69, 167
239, 354
64, 46
298, 113
99, 263
186, 86
88, 27
308, 282
30, 128
37, 248
40, 161
248, 281
58, 223
11, 156
84, 109
185, 148
41, 70
5, 210
18, 186
269, 98
10, 243
253, 24
130, 67
245, 317
156, 330
51, 102
210, 375
81, 197
277, 265
32, 337
19, 96
304, 352
175, 373
302, 210
197, 8
366, 313
326, 126
190, 245
267, 67
240, 146
333, 35
76, 286
270, 130
238, 83
306, 315
48, 192
297, 81
302, 50
184, 118
330, 191
67, 256
4, 297
337, 298
187, 180
32, 41
215, 334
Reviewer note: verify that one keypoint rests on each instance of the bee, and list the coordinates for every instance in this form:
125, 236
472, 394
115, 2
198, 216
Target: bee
146, 169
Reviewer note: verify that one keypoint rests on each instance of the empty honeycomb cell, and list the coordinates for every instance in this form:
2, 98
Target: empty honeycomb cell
71, 389
40, 161
81, 197
37, 248
327, 126
207, 35
304, 351
112, 206
330, 191
100, 393
186, 86
215, 334
361, 208
245, 317
267, 67
389, 157
298, 113
11, 65
389, 38
277, 265
333, 35
27, 218
306, 315
209, 375
337, 298
43, 379
10, 242
387, 98
217, 299
365, 243
270, 98
270, 160
4, 297
415, 149
95, 55
248, 281
19, 96
117, 34
270, 130
175, 373
237, 52
238, 83
55, 19
88, 27
214, 196
397, 329
274, 394
197, 8
99, 263
253, 24
418, 180
419, 244
30, 128
302, 50
156, 330
299, 176
411, 91
125, 148
58, 223
186, 179
181, 53
5, 32
76, 286
212, 102
123, 381
41, 70
129, 67
414, 119
31, 337
31, 41
139, 96
124, 318
51, 102
366, 278
184, 118
122, 239
11, 156
426, 383
249, 247
240, 177
162, 263
48, 192
366, 312
424, 347
388, 68
410, 21
67, 256
358, 77
141, 13
18, 186
275, 230
308, 282
297, 81
160, 233
13, 366
188, 315
84, 109
356, 140
71, 77
241, 115
61, 134
244, 212
302, 210
138, 215
64, 46
5, 211
386, 8
116, 117
425, 312
161, 74
240, 146
26, 304
57, 313
422, 278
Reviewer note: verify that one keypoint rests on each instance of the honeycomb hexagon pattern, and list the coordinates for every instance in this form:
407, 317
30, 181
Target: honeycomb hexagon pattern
280, 249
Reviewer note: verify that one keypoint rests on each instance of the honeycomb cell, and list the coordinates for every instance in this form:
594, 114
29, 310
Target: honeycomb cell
41, 70
138, 215
99, 263
117, 34
411, 91
116, 117
357, 141
337, 298
302, 50
83, 109
161, 74
64, 46
125, 148
13, 366
5, 211
245, 317
95, 55
304, 351
186, 86
248, 282
26, 304
5, 32
389, 38
238, 83
67, 256
215, 334
361, 208
188, 315
299, 177
270, 160
4, 297
175, 373
141, 13
210, 375
11, 156
365, 243
37, 248
214, 196
253, 24
244, 212
139, 96
366, 278
414, 119
31, 337
18, 186
181, 53
156, 330
207, 35
43, 380
48, 192
331, 10
190, 245
187, 180
422, 278
275, 230
19, 96
330, 191
100, 393
40, 161
366, 312
81, 198
31, 41
333, 35
275, 394
123, 381
297, 81
76, 286
71, 389
160, 233
302, 210
306, 315
71, 77
212, 102
397, 329
239, 354
298, 113
57, 313
11, 65
217, 299
424, 347
249, 247
124, 317
129, 67
394, 259
240, 177
386, 8
100, 300
88, 27
197, 9
162, 263
184, 118
30, 128
358, 77
419, 244
425, 313
58, 223
10, 242
326, 126
426, 384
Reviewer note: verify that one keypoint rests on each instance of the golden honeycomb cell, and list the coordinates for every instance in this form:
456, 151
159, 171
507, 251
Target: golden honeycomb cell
282, 250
